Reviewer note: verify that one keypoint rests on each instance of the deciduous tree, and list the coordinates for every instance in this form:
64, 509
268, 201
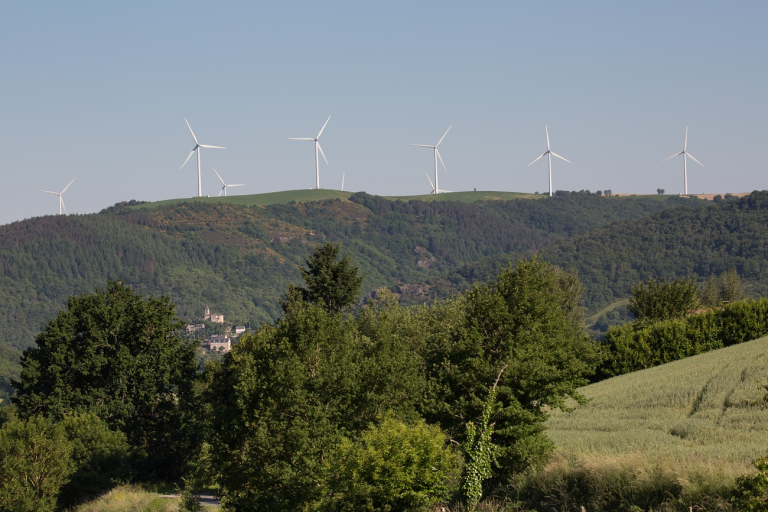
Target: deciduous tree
118, 356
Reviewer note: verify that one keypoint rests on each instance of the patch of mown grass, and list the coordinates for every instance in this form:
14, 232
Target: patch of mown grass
665, 438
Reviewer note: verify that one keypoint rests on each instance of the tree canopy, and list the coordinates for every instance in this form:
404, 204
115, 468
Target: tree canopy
119, 356
330, 282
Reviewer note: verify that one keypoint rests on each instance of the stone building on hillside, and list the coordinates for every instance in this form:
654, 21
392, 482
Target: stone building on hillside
218, 343
213, 317
190, 328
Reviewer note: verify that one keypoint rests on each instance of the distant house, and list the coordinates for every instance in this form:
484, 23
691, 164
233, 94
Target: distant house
213, 317
190, 328
239, 329
218, 343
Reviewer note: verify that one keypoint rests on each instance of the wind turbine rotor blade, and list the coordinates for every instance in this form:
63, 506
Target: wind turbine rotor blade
237, 185
48, 191
188, 157
547, 132
71, 182
673, 156
691, 157
441, 159
303, 138
323, 128
430, 181
62, 204
540, 157
686, 139
219, 175
561, 158
212, 147
422, 145
222, 190
190, 130
446, 133
321, 152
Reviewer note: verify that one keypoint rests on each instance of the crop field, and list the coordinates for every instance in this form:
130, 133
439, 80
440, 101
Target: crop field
687, 429
694, 409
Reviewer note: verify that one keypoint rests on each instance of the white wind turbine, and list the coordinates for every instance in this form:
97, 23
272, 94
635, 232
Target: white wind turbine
317, 148
686, 155
197, 149
549, 154
224, 188
435, 188
61, 199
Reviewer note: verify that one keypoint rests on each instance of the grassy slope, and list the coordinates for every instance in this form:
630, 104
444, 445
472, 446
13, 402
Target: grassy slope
303, 196
688, 412
285, 197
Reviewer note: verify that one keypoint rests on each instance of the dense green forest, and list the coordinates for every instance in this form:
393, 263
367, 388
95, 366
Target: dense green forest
239, 260
679, 242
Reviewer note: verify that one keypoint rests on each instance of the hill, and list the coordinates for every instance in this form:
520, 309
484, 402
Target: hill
304, 196
677, 242
239, 259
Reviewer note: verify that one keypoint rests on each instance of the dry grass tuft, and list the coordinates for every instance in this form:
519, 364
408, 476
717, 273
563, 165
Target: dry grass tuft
130, 498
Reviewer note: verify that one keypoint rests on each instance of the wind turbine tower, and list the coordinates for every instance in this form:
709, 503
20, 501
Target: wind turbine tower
435, 187
224, 188
549, 154
686, 155
197, 149
317, 149
61, 199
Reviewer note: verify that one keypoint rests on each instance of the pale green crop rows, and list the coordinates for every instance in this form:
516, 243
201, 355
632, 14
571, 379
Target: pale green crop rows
690, 412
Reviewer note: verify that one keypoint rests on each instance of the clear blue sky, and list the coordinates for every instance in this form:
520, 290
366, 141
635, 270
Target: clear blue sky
98, 91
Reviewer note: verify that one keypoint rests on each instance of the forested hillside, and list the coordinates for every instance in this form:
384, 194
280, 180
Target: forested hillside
677, 242
239, 259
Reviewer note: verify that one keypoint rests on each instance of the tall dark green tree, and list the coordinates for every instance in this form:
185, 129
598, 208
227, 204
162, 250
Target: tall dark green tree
329, 281
527, 321
119, 356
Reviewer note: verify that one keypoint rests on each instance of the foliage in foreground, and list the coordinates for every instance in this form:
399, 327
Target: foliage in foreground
117, 355
641, 345
751, 493
288, 395
391, 466
43, 463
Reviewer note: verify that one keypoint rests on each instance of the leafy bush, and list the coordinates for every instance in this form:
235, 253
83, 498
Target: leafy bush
118, 355
391, 466
751, 493
34, 463
646, 344
99, 456
660, 300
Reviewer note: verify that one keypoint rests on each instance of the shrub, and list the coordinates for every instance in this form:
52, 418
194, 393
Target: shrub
391, 466
34, 463
751, 493
659, 300
641, 345
99, 456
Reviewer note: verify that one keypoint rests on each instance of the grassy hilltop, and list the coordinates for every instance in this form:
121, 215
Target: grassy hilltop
304, 196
